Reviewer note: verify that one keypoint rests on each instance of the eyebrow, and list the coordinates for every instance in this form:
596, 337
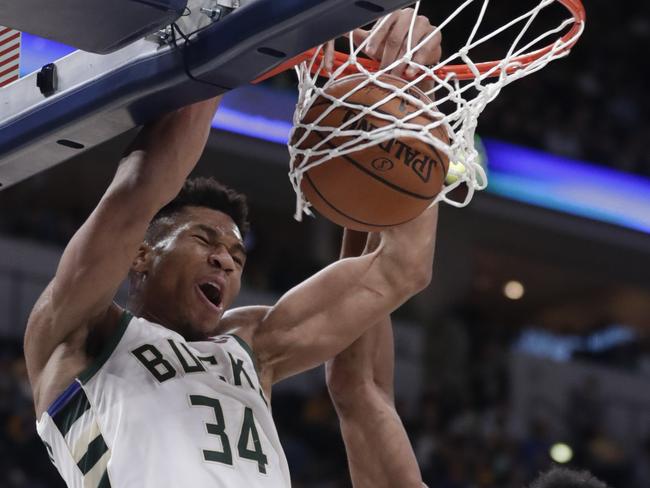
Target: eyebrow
213, 235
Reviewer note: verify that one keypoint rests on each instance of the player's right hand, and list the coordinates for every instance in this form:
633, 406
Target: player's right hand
388, 41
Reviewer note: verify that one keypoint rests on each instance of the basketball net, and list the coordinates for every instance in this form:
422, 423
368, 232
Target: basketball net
459, 94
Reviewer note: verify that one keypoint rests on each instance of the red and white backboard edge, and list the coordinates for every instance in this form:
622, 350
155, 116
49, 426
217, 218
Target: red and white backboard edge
9, 55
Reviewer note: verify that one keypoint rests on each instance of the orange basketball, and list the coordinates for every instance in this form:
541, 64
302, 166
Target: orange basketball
384, 185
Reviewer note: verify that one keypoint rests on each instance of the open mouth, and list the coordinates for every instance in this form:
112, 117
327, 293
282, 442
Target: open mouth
211, 292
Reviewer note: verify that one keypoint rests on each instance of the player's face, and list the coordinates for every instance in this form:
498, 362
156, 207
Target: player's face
194, 273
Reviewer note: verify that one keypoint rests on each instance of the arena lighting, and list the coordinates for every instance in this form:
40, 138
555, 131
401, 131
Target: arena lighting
562, 347
248, 125
514, 290
570, 186
37, 52
561, 453
518, 173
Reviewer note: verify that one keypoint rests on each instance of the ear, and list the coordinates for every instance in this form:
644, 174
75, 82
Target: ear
142, 260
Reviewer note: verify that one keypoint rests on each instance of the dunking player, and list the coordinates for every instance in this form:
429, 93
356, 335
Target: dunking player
174, 391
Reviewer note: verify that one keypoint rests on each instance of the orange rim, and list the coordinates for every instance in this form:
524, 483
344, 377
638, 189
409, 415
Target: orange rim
461, 71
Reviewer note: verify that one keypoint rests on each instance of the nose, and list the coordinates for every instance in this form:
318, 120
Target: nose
221, 258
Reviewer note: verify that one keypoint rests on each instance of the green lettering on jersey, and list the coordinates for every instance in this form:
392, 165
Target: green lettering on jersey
248, 433
238, 370
219, 429
196, 367
160, 368
209, 359
262, 396
249, 445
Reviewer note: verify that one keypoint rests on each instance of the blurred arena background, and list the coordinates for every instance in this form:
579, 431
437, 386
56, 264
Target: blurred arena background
532, 344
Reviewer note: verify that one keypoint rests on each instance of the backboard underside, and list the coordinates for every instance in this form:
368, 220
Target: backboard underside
102, 96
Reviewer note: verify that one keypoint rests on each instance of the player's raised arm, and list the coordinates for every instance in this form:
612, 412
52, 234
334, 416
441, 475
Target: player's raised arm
319, 318
325, 314
360, 382
99, 256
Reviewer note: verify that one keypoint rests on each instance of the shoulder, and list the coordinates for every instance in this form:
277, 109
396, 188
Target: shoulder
104, 331
51, 374
243, 315
243, 321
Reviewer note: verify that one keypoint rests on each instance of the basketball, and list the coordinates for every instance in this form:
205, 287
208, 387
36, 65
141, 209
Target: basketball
381, 186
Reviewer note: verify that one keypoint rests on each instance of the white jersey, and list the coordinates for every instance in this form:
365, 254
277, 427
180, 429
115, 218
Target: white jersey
157, 411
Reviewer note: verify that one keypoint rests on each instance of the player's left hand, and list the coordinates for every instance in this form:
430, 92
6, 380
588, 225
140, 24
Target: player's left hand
390, 41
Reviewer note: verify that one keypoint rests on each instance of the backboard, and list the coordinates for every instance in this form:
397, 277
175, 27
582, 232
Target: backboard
85, 99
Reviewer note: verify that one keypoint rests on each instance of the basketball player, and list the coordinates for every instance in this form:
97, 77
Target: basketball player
175, 391
567, 478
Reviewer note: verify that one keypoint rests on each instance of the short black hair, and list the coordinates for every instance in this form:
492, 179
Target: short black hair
558, 477
201, 192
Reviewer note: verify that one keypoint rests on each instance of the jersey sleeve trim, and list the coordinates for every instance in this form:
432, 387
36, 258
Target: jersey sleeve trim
63, 399
246, 348
109, 347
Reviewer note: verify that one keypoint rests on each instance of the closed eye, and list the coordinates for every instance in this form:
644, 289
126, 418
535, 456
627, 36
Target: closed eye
204, 240
201, 238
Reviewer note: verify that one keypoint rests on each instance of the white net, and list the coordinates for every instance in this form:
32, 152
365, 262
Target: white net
461, 89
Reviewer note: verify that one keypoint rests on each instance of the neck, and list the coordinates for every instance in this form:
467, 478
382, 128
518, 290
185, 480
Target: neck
138, 308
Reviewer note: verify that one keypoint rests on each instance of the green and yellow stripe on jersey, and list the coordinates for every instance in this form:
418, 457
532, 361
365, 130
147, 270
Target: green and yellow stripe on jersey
74, 418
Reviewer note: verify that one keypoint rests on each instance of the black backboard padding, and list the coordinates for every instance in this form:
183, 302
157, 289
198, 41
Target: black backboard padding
97, 26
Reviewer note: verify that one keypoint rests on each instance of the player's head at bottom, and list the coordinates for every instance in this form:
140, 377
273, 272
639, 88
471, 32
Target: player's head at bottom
558, 477
188, 269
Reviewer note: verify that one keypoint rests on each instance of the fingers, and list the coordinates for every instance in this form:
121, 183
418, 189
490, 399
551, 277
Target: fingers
359, 36
375, 46
428, 54
431, 52
328, 61
396, 44
389, 42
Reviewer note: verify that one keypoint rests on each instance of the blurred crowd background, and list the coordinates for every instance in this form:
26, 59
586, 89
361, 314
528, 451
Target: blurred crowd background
592, 106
